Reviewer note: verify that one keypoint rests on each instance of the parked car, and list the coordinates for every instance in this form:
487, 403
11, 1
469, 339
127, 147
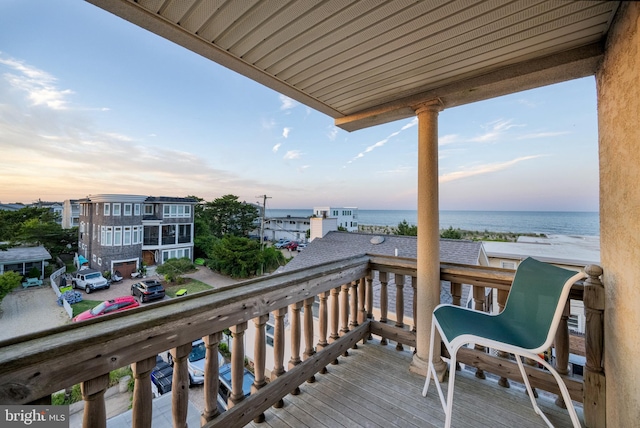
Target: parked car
224, 388
291, 246
89, 280
162, 375
301, 247
108, 307
147, 290
195, 362
282, 244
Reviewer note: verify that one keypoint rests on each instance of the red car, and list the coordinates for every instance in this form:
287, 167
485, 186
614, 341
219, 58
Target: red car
291, 246
108, 307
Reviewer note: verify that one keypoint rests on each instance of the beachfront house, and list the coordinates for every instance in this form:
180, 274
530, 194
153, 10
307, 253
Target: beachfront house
365, 64
346, 217
289, 227
124, 232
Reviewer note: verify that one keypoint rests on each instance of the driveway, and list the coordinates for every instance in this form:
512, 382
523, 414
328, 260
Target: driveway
27, 310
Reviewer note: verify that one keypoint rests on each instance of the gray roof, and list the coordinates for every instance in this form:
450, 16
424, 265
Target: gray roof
24, 254
340, 245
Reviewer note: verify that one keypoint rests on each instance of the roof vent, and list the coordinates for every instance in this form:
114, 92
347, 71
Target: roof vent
377, 240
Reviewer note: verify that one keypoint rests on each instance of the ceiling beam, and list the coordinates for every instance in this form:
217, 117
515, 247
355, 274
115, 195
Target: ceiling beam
535, 73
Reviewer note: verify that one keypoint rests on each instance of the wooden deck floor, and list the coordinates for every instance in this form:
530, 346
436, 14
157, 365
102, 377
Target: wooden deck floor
373, 387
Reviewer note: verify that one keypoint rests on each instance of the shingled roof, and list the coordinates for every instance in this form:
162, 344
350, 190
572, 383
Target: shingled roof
339, 245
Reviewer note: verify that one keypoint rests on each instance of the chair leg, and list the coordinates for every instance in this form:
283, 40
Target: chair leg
447, 405
564, 391
429, 365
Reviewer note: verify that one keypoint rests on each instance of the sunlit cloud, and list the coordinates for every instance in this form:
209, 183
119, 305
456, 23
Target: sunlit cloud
276, 147
285, 132
384, 141
39, 85
411, 124
287, 103
292, 154
483, 169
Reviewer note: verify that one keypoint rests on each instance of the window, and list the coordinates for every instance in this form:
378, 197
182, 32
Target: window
269, 334
126, 237
137, 235
108, 236
107, 208
573, 323
116, 209
100, 261
136, 209
117, 235
179, 211
93, 256
508, 265
127, 209
148, 210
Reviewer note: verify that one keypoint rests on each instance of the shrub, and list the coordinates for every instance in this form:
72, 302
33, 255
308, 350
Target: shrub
8, 281
34, 272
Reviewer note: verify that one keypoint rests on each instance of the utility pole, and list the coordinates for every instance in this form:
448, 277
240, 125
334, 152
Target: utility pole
264, 212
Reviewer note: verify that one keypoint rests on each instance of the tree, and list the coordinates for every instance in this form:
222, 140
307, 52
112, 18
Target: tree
406, 229
451, 233
236, 256
11, 221
173, 269
228, 216
8, 281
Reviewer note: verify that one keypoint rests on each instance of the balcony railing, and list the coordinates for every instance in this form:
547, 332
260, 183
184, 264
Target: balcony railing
35, 366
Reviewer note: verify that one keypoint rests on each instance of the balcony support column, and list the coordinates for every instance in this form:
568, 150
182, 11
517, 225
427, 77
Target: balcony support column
237, 363
211, 377
180, 385
428, 256
95, 413
141, 415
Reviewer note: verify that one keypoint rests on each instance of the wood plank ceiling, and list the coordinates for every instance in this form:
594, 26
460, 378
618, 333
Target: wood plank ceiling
370, 61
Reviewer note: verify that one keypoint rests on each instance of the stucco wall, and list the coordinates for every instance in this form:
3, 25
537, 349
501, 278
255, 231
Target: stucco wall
618, 83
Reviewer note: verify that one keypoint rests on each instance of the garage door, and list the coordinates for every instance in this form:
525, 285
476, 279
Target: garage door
125, 268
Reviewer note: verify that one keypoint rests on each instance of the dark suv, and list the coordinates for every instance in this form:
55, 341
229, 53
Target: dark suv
147, 290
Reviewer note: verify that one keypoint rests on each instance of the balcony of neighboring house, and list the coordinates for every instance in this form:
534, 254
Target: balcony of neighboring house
352, 366
169, 234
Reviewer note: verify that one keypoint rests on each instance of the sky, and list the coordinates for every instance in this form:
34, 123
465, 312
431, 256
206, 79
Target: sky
92, 104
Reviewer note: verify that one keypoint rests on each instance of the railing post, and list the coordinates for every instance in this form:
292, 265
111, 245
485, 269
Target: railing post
594, 376
335, 317
384, 301
399, 279
456, 293
259, 355
369, 298
362, 311
414, 285
562, 348
237, 363
344, 312
478, 305
278, 348
323, 323
502, 300
141, 415
294, 319
308, 333
180, 385
353, 311
95, 413
211, 377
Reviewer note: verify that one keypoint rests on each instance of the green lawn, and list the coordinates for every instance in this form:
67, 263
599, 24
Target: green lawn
193, 286
80, 307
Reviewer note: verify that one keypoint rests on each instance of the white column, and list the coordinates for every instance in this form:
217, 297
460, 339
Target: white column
428, 289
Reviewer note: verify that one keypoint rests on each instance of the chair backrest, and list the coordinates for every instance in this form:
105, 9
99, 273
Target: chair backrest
536, 302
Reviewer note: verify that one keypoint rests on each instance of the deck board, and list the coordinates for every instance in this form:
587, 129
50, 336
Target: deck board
372, 387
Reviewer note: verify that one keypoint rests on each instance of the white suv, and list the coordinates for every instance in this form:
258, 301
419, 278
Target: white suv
89, 280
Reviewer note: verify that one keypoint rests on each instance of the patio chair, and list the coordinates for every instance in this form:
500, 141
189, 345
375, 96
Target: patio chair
525, 328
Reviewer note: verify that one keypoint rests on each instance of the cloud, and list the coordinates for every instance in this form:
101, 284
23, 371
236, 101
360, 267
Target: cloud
267, 123
411, 124
285, 132
542, 135
384, 141
303, 167
333, 133
483, 169
39, 85
276, 147
287, 103
495, 131
448, 139
292, 154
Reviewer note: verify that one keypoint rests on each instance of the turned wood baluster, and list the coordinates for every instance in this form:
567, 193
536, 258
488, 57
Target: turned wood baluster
141, 416
334, 317
456, 293
362, 311
369, 298
594, 377
353, 311
237, 363
478, 305
278, 348
399, 305
502, 300
414, 285
294, 319
260, 355
384, 301
562, 348
180, 385
211, 377
344, 312
323, 322
95, 413
308, 333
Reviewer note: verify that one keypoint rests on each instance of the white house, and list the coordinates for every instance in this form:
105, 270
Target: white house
347, 217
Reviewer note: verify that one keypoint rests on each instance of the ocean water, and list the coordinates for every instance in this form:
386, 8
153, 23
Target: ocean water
547, 222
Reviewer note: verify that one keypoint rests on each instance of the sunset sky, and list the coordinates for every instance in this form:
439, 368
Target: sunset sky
90, 104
